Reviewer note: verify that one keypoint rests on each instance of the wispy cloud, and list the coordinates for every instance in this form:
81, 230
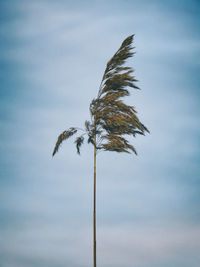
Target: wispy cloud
121, 245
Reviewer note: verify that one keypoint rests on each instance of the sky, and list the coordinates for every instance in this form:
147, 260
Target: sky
52, 58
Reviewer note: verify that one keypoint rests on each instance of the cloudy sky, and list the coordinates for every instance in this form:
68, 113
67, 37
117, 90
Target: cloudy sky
52, 57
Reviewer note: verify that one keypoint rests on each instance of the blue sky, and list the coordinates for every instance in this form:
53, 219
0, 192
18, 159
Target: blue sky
53, 54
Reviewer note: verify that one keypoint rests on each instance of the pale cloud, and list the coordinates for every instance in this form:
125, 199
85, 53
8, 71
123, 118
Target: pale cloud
118, 245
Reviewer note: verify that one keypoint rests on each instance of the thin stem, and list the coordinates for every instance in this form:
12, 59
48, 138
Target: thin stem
94, 211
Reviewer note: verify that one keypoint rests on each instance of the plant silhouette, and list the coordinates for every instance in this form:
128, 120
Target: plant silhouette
111, 119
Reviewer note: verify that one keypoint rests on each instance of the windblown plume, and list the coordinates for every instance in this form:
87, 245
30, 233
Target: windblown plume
63, 136
111, 118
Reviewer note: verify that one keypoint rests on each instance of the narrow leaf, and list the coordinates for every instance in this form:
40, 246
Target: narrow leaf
63, 136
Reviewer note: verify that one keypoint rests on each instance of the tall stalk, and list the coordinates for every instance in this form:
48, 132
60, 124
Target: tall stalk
94, 211
111, 119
